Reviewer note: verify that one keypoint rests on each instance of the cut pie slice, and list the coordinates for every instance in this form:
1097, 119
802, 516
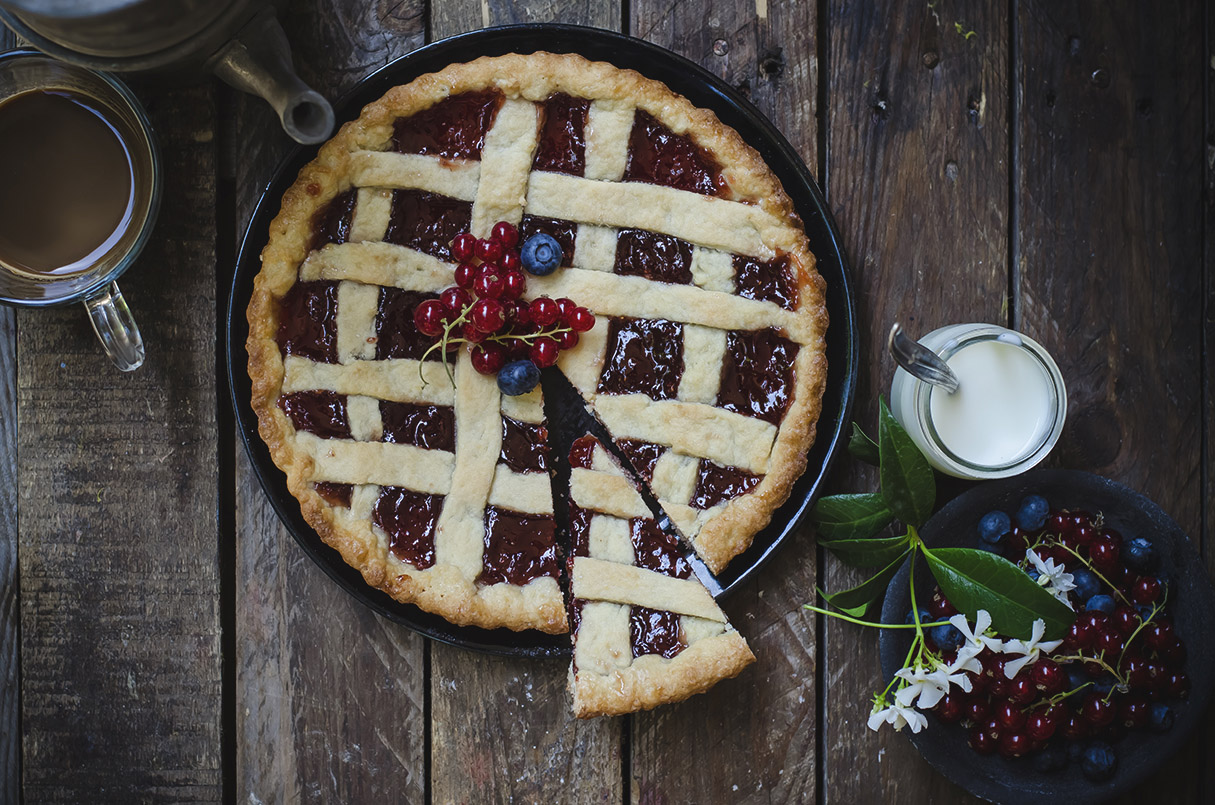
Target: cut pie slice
646, 632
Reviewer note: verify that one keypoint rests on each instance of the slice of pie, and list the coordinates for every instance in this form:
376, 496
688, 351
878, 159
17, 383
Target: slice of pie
646, 631
706, 362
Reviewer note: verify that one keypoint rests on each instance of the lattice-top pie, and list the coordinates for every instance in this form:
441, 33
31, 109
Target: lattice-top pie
705, 363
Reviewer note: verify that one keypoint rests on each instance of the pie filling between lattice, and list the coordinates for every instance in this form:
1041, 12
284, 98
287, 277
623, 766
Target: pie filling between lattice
705, 363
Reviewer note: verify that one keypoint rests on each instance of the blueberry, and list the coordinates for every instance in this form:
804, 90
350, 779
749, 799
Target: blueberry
1075, 676
1074, 752
1033, 573
518, 377
947, 637
1032, 514
1160, 717
1052, 758
1099, 761
1103, 684
541, 254
1138, 554
1087, 584
924, 617
994, 527
1145, 612
1100, 603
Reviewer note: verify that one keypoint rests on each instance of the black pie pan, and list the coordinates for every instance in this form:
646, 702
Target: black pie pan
704, 90
1191, 605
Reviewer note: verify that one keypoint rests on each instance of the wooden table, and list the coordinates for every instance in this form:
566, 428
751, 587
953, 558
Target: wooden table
1039, 164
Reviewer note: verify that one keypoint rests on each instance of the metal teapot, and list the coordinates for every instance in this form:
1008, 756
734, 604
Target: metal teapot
240, 41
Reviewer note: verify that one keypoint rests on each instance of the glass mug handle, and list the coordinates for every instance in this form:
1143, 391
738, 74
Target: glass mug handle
115, 327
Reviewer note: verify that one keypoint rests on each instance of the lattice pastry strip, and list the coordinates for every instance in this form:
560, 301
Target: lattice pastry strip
646, 630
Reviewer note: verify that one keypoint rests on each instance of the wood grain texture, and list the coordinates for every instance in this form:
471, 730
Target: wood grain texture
752, 738
1207, 784
10, 612
117, 492
501, 729
330, 698
1109, 196
918, 181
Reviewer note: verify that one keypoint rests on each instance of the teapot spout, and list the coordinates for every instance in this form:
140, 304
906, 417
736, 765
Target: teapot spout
258, 61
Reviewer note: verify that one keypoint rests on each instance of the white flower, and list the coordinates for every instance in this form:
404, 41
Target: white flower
899, 716
978, 639
1053, 578
928, 686
1029, 650
967, 660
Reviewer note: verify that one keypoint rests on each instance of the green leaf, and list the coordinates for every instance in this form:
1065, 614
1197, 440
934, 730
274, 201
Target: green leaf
866, 552
855, 601
850, 516
862, 447
908, 485
972, 580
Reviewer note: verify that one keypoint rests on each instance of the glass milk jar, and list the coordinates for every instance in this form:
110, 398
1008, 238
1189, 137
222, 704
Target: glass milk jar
1006, 414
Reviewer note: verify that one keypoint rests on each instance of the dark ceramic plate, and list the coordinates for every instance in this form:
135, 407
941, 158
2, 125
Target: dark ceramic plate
1191, 604
703, 89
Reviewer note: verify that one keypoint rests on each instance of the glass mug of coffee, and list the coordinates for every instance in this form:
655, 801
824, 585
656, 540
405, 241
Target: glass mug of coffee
79, 192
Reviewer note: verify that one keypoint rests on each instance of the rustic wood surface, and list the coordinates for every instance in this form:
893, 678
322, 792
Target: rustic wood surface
162, 638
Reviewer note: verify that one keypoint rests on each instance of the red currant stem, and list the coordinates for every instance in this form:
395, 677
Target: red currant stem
1099, 659
1095, 571
527, 339
444, 340
1058, 697
1142, 623
860, 622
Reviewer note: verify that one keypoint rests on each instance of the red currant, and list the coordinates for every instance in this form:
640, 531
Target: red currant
939, 607
949, 708
1009, 715
1125, 620
471, 334
487, 250
489, 284
1173, 653
981, 742
1134, 711
1073, 727
1079, 636
1175, 684
1041, 725
488, 315
488, 358
1137, 671
567, 307
1158, 633
544, 311
1104, 553
455, 300
518, 313
463, 245
513, 283
1048, 676
511, 262
1014, 744
428, 317
975, 709
993, 729
1022, 689
1146, 590
1109, 640
581, 320
1097, 711
465, 274
544, 352
566, 339
505, 233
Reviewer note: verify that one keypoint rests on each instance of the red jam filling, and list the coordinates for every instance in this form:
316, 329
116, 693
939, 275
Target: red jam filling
395, 333
564, 232
410, 520
518, 547
322, 413
658, 155
654, 631
757, 377
335, 494
580, 531
308, 321
575, 610
643, 357
582, 452
715, 484
426, 221
524, 446
331, 223
766, 282
562, 146
453, 128
657, 550
661, 258
431, 427
642, 455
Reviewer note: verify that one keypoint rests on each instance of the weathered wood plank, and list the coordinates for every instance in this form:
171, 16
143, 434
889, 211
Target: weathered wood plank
753, 738
1207, 785
501, 730
918, 179
1109, 196
10, 614
120, 630
330, 698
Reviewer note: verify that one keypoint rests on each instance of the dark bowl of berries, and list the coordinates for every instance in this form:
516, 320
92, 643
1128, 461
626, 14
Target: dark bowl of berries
1101, 709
